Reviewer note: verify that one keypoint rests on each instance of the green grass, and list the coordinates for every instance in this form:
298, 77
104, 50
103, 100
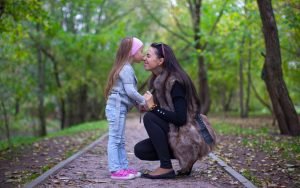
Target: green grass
46, 167
236, 113
252, 178
90, 126
230, 129
17, 141
29, 177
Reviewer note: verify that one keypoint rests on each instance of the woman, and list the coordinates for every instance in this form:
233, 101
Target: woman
172, 103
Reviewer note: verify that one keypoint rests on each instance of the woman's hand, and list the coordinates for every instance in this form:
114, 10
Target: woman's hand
149, 99
143, 108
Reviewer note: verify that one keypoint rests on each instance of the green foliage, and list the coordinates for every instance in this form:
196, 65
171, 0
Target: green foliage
16, 11
79, 40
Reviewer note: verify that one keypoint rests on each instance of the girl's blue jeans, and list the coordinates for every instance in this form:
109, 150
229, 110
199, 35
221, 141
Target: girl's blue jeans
116, 116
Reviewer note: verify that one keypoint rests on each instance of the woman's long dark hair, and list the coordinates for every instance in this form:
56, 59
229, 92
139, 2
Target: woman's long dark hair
172, 66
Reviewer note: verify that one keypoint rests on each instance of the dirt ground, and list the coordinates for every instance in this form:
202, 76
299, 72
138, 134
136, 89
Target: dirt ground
27, 162
90, 170
263, 168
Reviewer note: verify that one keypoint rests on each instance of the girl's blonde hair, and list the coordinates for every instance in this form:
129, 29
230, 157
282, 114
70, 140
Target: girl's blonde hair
122, 57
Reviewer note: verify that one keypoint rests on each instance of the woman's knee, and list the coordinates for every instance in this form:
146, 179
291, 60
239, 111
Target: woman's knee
138, 151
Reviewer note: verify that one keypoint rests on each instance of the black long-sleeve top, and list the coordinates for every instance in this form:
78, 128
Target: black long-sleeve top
179, 116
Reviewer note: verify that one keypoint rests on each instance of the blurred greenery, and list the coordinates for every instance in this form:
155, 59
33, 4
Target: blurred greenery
77, 41
99, 126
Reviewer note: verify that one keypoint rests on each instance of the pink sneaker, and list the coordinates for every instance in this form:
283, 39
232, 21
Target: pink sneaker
136, 173
122, 175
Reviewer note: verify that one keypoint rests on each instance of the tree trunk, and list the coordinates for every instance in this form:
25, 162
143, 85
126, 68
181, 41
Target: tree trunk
82, 102
71, 117
247, 100
2, 7
204, 89
77, 106
62, 107
6, 123
17, 106
259, 98
283, 107
41, 89
241, 80
248, 79
226, 99
195, 10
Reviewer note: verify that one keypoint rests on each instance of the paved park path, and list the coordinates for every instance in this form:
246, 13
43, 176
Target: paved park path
90, 169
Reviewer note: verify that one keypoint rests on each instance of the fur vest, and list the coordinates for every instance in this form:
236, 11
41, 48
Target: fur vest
187, 144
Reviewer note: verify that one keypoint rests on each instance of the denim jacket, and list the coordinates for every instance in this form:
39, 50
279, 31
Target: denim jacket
125, 88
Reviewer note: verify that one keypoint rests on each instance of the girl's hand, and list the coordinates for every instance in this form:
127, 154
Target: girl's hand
149, 99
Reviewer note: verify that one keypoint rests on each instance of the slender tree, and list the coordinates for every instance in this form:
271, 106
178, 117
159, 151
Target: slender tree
248, 87
195, 11
6, 122
2, 5
283, 107
241, 76
41, 87
248, 80
59, 86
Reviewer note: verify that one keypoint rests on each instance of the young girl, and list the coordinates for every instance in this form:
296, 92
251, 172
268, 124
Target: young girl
121, 94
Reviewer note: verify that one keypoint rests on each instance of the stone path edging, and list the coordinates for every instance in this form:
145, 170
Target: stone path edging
60, 165
232, 172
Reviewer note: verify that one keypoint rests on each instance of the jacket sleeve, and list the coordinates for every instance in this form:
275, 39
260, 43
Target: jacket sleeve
128, 79
179, 116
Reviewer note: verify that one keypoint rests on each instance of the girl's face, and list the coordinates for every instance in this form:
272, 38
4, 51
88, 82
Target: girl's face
151, 61
139, 56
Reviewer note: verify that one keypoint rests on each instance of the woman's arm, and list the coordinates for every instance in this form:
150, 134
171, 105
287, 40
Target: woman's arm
179, 116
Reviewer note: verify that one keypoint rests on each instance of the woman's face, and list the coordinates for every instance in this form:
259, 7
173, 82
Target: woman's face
151, 61
139, 56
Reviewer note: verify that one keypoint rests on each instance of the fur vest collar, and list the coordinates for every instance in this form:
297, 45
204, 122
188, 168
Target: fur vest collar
163, 85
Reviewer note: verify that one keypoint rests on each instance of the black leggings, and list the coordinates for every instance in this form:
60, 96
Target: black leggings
156, 147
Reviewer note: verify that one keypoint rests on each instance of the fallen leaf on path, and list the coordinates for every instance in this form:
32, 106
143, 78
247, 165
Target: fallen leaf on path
97, 180
55, 181
12, 180
64, 178
214, 178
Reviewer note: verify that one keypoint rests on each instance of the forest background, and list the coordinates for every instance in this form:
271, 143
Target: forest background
55, 56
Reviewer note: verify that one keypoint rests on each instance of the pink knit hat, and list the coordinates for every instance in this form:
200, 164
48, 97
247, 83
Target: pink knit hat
136, 45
